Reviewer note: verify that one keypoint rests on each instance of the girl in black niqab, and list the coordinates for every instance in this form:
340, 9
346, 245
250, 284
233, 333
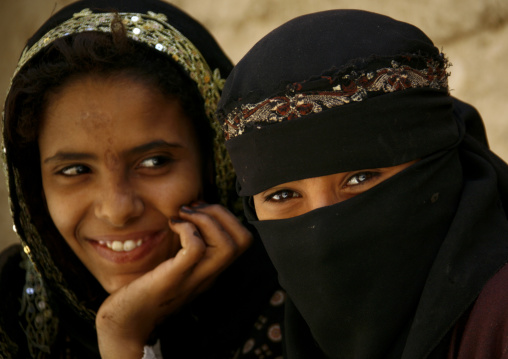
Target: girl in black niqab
405, 255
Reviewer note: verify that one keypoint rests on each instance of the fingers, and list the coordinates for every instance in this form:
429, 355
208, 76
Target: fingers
209, 218
192, 252
211, 238
223, 235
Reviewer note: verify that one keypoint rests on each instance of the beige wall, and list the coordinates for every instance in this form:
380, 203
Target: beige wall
473, 33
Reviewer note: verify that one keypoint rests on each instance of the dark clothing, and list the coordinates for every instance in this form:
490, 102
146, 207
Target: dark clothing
483, 331
236, 318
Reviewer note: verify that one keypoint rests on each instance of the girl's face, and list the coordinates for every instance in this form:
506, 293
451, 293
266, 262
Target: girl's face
118, 159
298, 197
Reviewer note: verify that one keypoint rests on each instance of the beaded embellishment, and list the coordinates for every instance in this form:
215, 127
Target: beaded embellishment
41, 325
151, 29
352, 87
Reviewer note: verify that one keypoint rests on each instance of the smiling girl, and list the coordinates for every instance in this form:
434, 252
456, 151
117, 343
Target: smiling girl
114, 160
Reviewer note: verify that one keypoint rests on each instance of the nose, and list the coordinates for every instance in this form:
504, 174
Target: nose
117, 202
323, 200
322, 193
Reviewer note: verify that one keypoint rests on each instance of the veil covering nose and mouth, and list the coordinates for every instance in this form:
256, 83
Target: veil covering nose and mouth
391, 272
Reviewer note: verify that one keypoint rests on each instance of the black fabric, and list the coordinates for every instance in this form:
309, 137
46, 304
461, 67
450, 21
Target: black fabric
309, 46
382, 252
388, 273
12, 278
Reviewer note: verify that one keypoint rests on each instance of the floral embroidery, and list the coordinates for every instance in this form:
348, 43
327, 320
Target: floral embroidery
274, 333
265, 341
248, 346
278, 298
352, 87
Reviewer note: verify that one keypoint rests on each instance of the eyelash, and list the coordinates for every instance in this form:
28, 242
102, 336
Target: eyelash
160, 161
270, 197
366, 175
81, 169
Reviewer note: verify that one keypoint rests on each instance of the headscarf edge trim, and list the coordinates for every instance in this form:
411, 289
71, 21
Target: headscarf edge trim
339, 89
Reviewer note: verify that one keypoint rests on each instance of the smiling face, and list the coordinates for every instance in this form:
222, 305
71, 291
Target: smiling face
299, 197
118, 159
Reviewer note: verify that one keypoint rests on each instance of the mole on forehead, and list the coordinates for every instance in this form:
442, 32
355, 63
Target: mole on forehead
111, 159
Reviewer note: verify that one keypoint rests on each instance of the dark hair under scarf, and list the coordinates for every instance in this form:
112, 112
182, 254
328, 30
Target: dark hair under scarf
388, 273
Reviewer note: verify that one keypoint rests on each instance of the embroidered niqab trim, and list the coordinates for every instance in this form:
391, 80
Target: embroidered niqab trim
344, 89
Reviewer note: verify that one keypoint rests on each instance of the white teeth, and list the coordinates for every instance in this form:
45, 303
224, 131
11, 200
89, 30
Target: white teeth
126, 246
129, 245
117, 246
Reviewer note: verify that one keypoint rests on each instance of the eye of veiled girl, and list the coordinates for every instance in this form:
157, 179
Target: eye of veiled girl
361, 178
282, 195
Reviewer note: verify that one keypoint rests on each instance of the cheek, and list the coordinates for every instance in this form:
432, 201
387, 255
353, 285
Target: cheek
63, 214
64, 210
169, 194
261, 213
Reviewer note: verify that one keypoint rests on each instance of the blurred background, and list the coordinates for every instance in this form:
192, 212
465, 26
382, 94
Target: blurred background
472, 33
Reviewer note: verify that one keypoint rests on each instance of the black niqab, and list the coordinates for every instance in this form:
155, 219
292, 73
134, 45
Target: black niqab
386, 274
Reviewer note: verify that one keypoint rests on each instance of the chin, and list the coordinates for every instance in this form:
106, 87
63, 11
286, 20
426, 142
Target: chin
111, 285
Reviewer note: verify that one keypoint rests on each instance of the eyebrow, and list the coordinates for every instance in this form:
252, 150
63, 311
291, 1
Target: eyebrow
78, 156
158, 144
69, 156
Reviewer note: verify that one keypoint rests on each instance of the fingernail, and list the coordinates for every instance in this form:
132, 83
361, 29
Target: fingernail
199, 204
186, 209
176, 220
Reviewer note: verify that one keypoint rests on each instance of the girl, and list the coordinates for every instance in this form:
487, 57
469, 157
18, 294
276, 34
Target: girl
112, 154
373, 190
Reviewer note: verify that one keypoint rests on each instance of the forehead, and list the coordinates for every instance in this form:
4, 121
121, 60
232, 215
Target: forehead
91, 109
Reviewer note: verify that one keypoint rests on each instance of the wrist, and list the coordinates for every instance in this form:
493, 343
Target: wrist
119, 342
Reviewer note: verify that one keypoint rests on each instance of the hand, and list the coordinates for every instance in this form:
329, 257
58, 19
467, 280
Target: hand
211, 239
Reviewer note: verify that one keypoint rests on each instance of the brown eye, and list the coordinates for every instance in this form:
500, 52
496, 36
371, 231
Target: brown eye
360, 178
155, 161
282, 195
75, 170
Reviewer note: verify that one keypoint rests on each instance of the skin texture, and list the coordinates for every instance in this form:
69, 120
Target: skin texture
295, 198
118, 161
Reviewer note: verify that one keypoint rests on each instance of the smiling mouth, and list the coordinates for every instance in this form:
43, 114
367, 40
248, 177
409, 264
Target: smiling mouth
126, 246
